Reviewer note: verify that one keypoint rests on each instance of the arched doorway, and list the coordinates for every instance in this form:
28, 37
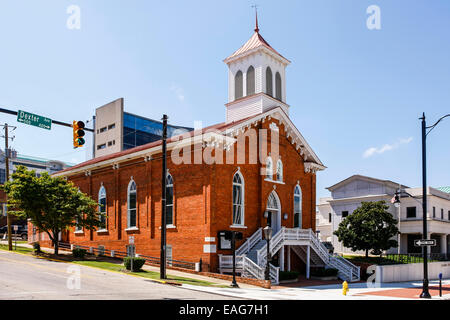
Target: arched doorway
273, 209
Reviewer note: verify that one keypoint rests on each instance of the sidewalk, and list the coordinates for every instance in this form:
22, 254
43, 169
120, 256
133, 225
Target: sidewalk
169, 272
358, 291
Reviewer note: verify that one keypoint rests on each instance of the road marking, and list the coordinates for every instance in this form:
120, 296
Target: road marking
42, 267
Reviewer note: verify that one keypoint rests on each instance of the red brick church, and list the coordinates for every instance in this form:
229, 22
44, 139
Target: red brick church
254, 169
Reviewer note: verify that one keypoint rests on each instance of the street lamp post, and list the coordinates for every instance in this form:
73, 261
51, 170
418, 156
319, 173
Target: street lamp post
425, 292
268, 236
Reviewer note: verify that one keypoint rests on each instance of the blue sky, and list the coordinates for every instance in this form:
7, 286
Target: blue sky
355, 94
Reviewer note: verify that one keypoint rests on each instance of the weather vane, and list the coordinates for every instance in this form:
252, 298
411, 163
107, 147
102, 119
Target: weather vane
256, 14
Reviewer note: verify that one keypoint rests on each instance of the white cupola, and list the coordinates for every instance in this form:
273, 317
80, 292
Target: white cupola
256, 79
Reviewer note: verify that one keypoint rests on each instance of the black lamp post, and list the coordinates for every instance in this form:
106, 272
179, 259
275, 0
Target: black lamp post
425, 293
268, 236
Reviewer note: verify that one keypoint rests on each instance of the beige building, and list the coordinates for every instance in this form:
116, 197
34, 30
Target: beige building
347, 195
116, 130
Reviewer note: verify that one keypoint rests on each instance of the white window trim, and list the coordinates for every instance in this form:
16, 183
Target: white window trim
269, 161
132, 229
238, 226
102, 231
279, 165
172, 225
242, 184
102, 187
128, 206
274, 181
79, 232
301, 206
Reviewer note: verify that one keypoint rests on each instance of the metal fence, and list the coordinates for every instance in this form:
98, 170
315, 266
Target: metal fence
416, 257
101, 251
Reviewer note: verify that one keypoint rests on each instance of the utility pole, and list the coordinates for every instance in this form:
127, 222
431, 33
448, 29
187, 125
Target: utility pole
162, 264
425, 293
8, 215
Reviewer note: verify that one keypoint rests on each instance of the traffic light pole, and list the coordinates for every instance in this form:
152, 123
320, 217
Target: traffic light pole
8, 215
65, 124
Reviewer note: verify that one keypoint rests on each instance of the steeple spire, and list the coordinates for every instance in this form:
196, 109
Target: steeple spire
256, 15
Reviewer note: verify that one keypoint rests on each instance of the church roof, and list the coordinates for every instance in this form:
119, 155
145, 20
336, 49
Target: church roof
221, 129
255, 42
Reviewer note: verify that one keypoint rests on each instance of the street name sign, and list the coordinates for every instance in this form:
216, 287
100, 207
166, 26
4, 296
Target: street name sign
34, 120
425, 243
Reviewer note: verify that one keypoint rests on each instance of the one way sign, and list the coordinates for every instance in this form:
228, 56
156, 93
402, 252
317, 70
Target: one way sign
425, 243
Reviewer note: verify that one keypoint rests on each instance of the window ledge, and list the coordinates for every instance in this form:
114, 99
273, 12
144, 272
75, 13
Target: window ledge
102, 231
274, 181
79, 232
169, 226
132, 229
238, 226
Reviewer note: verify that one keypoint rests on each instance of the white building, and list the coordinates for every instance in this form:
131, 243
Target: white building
347, 195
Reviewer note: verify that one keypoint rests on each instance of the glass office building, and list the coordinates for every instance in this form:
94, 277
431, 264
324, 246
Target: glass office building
139, 130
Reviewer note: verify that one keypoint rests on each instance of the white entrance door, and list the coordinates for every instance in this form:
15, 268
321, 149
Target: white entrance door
274, 210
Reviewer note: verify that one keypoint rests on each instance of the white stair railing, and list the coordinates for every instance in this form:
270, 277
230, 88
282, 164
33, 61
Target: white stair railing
275, 244
346, 270
249, 243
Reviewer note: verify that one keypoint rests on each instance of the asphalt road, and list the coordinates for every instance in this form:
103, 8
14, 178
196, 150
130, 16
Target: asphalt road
25, 278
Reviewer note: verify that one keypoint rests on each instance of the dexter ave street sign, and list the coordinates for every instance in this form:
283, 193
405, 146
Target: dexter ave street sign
34, 120
425, 243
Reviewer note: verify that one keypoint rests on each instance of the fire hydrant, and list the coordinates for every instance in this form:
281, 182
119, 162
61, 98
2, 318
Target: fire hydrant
344, 288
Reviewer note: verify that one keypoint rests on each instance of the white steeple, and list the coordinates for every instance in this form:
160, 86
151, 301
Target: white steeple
256, 79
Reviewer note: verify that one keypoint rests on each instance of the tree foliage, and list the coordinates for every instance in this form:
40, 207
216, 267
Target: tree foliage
370, 227
53, 204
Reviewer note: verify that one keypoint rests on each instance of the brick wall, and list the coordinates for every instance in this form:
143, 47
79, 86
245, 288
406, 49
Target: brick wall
202, 202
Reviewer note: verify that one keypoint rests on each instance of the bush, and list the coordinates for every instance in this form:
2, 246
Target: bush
288, 275
322, 272
36, 247
78, 253
137, 263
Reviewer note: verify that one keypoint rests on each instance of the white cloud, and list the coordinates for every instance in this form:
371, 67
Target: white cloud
179, 92
387, 147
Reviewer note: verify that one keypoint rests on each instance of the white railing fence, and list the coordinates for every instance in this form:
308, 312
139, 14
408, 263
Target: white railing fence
346, 270
249, 243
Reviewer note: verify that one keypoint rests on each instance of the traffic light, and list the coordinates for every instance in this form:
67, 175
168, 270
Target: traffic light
78, 133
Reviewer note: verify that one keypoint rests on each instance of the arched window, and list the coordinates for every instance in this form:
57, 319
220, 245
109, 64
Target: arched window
278, 94
132, 205
102, 207
238, 85
269, 83
297, 207
238, 199
269, 168
279, 170
169, 200
250, 80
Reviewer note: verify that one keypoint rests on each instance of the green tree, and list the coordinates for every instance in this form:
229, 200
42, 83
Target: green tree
53, 204
370, 227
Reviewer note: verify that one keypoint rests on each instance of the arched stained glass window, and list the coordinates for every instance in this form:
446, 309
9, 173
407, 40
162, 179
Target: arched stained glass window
132, 205
297, 207
238, 199
102, 207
